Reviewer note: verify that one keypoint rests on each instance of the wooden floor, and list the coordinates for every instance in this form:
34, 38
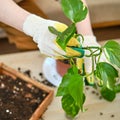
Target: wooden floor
101, 34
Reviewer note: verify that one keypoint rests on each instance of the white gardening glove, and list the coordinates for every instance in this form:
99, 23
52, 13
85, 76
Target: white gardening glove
90, 41
37, 28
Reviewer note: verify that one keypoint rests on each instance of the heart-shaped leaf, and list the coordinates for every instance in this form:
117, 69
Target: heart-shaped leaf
107, 73
108, 94
112, 52
76, 82
75, 10
69, 105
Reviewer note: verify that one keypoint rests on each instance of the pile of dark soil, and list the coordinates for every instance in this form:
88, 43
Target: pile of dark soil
18, 99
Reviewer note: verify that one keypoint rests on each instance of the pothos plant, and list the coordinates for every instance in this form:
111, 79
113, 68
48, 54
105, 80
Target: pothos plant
104, 74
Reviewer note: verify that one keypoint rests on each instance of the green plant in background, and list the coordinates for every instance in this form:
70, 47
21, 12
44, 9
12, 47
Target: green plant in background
104, 74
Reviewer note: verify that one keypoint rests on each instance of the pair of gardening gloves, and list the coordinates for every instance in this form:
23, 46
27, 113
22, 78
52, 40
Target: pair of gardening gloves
37, 28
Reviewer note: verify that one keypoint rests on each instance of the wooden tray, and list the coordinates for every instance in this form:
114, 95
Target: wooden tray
4, 69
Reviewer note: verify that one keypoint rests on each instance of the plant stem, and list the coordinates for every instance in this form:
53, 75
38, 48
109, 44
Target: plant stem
93, 53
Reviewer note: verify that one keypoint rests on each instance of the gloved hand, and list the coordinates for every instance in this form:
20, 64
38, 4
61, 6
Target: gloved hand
37, 28
90, 41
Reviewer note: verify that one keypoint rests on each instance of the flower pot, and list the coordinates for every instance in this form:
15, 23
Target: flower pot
62, 66
22, 97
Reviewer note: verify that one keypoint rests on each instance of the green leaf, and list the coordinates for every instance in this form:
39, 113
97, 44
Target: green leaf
117, 88
64, 37
63, 87
69, 105
112, 52
71, 90
53, 30
66, 79
73, 70
76, 82
75, 10
108, 94
107, 73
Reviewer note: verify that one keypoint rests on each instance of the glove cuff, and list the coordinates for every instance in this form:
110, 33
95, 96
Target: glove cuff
32, 24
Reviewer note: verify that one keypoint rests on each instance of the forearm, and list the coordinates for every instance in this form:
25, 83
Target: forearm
84, 27
12, 14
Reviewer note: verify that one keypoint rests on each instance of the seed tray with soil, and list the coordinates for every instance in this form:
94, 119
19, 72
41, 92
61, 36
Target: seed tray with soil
22, 98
